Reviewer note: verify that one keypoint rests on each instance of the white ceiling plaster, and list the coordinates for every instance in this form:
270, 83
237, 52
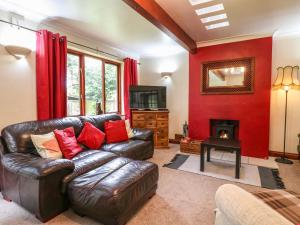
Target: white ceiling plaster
111, 22
115, 24
246, 18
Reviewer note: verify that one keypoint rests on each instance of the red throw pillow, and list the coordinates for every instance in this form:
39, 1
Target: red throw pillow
115, 131
67, 142
91, 136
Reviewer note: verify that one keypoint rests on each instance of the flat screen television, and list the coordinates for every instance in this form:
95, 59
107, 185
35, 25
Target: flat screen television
148, 97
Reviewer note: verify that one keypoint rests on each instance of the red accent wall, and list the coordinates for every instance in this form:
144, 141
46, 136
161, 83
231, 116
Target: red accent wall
252, 110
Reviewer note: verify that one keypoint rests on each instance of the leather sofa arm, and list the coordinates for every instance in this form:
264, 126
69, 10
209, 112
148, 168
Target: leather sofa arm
2, 151
142, 134
33, 166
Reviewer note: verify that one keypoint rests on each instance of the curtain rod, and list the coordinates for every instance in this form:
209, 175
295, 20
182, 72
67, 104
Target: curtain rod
94, 49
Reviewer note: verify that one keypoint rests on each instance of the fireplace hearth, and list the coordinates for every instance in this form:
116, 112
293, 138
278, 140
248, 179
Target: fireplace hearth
224, 129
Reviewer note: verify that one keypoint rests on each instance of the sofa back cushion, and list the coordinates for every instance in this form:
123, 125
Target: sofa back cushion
99, 120
17, 137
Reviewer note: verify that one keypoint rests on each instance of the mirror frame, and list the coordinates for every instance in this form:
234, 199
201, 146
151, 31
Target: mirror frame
248, 88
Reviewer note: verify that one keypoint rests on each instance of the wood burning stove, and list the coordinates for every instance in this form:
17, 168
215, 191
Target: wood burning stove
224, 129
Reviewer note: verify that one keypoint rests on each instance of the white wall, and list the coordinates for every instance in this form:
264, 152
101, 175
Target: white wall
286, 51
177, 85
17, 77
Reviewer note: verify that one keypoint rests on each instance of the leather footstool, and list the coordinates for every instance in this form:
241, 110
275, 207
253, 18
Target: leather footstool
113, 192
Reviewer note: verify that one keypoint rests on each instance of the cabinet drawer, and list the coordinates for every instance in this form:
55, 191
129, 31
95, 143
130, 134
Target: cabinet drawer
138, 116
150, 116
162, 143
162, 123
162, 133
150, 123
162, 116
138, 124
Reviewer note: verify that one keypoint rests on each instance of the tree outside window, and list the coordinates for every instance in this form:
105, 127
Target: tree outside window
96, 75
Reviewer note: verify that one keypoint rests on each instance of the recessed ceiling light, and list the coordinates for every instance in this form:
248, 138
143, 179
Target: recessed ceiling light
214, 18
196, 2
217, 25
210, 9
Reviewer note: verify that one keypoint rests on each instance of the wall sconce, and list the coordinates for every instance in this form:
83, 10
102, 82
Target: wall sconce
166, 75
17, 51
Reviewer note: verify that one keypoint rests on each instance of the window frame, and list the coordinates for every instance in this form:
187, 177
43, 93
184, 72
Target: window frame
104, 61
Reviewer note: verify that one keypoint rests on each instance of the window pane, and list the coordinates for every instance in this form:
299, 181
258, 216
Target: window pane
93, 85
73, 85
111, 88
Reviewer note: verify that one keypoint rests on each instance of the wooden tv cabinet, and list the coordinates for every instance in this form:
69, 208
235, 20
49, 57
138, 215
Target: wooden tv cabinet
158, 121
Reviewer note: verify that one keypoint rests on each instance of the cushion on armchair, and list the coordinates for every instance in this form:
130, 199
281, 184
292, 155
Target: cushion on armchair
239, 207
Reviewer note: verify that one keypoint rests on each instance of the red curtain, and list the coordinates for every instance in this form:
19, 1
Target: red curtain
130, 78
51, 69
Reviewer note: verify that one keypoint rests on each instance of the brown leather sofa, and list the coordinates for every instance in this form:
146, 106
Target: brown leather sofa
47, 187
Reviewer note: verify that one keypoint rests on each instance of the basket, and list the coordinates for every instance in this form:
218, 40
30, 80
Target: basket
193, 147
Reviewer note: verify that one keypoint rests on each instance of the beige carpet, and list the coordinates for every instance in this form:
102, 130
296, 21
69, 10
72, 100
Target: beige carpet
182, 198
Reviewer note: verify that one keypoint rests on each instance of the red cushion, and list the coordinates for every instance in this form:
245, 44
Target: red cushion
67, 142
91, 136
115, 131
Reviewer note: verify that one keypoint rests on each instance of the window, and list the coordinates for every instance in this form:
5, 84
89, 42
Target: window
73, 85
111, 87
93, 84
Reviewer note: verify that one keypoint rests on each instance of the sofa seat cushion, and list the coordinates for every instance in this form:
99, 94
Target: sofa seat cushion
113, 192
87, 161
134, 149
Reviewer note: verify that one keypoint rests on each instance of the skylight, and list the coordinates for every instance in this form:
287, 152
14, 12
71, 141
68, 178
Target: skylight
210, 9
217, 25
214, 18
196, 2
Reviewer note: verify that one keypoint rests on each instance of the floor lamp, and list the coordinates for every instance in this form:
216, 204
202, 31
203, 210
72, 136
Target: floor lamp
287, 78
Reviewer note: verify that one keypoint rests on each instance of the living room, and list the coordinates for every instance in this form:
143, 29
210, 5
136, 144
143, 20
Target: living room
149, 112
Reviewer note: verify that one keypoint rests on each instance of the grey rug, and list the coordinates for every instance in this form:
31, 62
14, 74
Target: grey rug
265, 174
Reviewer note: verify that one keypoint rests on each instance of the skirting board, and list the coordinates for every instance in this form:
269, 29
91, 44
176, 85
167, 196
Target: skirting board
288, 155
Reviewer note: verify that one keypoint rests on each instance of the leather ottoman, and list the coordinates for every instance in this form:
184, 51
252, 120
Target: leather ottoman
113, 192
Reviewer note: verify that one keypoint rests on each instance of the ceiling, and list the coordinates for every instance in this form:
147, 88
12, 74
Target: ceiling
114, 23
246, 17
105, 21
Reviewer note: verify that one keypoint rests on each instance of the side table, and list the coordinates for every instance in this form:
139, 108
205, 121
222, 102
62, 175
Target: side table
221, 145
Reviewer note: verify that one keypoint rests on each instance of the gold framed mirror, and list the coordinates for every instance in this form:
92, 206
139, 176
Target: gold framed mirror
228, 77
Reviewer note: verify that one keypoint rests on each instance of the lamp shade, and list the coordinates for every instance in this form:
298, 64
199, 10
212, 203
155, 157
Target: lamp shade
287, 77
166, 74
17, 51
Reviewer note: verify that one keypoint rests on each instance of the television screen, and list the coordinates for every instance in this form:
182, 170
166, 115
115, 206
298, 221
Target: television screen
147, 97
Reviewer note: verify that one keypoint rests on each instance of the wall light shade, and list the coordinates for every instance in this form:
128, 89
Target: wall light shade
17, 51
287, 77
166, 75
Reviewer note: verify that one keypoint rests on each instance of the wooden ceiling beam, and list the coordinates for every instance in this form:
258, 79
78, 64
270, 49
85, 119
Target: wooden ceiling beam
155, 14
